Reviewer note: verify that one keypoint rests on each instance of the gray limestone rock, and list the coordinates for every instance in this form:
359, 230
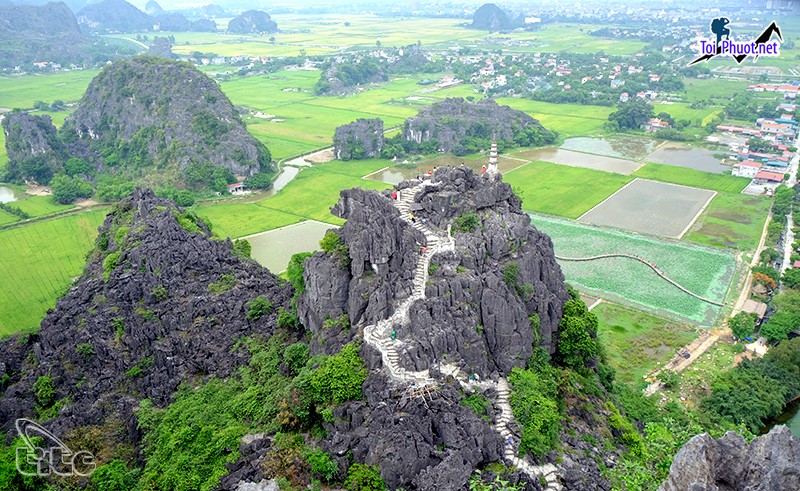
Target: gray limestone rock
771, 462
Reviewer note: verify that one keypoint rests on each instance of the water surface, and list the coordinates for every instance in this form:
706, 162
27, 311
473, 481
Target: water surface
7, 195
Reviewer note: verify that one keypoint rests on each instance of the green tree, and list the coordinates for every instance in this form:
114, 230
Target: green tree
778, 327
294, 270
68, 189
242, 248
577, 332
534, 403
258, 181
76, 166
743, 325
632, 114
791, 278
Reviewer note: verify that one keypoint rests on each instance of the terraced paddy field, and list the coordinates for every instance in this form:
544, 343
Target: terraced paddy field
39, 262
704, 271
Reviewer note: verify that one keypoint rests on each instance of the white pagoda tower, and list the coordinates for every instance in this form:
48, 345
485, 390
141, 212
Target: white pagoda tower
493, 157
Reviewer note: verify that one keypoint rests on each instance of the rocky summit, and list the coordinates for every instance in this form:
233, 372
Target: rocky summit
421, 278
159, 304
771, 462
361, 139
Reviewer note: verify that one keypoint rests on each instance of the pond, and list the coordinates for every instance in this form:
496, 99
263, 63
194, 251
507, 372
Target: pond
580, 159
274, 248
790, 417
681, 155
7, 195
622, 146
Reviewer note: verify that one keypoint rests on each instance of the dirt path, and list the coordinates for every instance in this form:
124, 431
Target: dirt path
685, 357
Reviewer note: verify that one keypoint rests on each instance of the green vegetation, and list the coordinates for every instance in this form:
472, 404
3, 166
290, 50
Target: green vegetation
694, 178
362, 477
226, 282
630, 115
706, 272
41, 259
44, 391
636, 343
534, 403
258, 308
731, 220
756, 390
555, 189
467, 222
743, 324
577, 333
478, 403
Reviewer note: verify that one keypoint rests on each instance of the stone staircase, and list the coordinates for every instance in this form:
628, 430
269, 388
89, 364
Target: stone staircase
379, 336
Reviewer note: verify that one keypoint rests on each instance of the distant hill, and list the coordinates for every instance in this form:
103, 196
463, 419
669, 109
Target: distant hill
147, 120
115, 15
39, 33
204, 25
252, 22
153, 8
172, 22
490, 17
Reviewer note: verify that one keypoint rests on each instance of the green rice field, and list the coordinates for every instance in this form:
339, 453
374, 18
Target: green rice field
24, 91
706, 272
39, 262
560, 190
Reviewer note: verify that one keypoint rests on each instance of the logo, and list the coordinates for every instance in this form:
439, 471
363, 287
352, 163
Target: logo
763, 45
56, 460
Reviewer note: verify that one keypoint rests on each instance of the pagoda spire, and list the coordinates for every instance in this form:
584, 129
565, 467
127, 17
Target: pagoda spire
493, 157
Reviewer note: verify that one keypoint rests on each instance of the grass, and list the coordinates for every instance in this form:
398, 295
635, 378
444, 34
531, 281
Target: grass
39, 262
731, 220
723, 183
704, 271
309, 196
695, 381
567, 119
560, 190
23, 91
698, 117
636, 342
712, 88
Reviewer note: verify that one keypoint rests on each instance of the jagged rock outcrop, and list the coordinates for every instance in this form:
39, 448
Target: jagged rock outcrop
252, 22
34, 150
361, 139
770, 462
165, 113
156, 306
451, 121
114, 15
345, 77
471, 316
31, 33
491, 17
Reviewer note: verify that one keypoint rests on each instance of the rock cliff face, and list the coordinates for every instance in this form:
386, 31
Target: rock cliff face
450, 121
114, 15
252, 22
361, 139
470, 316
156, 306
157, 111
31, 33
34, 150
770, 462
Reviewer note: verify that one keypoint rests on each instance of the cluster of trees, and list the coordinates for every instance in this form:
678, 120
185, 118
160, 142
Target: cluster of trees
630, 115
744, 107
758, 390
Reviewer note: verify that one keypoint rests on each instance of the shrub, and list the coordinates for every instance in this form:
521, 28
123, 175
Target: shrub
478, 404
362, 477
159, 293
226, 282
287, 319
332, 243
109, 263
242, 248
85, 350
669, 378
511, 275
743, 324
339, 378
294, 271
44, 391
467, 222
114, 476
534, 403
258, 308
295, 356
322, 466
